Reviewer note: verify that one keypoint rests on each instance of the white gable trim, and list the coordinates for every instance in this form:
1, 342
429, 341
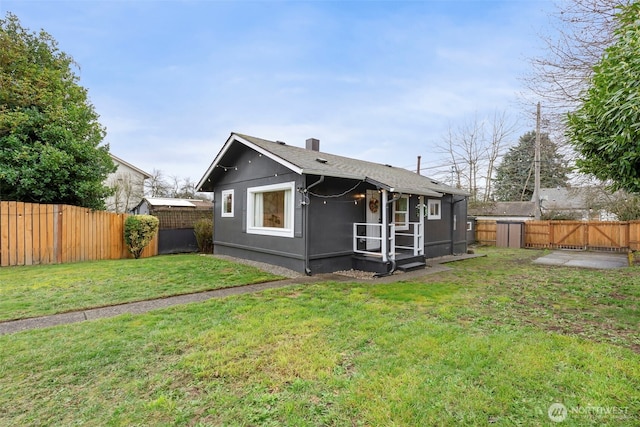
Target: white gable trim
130, 166
233, 138
270, 155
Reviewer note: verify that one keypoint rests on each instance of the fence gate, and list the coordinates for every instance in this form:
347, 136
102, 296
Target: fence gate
568, 234
608, 236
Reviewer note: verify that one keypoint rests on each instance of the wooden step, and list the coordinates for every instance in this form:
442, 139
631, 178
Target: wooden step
412, 266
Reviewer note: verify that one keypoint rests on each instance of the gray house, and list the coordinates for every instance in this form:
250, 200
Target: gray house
316, 212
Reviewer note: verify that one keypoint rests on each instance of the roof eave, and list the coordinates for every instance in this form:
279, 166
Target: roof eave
235, 137
145, 175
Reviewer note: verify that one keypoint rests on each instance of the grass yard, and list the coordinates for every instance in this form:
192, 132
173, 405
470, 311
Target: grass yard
495, 341
48, 289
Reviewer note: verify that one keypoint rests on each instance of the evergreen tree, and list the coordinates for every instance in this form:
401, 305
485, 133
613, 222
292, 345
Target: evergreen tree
50, 138
515, 174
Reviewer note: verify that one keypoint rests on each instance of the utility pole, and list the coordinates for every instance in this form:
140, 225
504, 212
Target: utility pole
536, 160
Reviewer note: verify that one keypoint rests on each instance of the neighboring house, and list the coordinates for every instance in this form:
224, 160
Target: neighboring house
177, 218
580, 203
504, 211
127, 183
315, 212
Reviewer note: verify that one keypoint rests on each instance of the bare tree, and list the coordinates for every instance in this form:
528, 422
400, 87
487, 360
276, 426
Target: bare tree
173, 186
464, 147
582, 31
157, 186
187, 189
127, 191
501, 131
473, 149
456, 167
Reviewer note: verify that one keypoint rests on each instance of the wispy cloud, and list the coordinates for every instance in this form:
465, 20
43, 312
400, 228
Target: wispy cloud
375, 80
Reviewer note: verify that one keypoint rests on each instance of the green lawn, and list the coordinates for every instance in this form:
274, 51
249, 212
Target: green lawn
47, 289
495, 341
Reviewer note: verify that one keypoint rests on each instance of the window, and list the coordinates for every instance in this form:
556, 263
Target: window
433, 207
227, 203
270, 209
401, 213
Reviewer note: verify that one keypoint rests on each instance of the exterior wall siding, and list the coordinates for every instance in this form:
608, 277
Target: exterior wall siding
331, 222
441, 237
230, 233
128, 185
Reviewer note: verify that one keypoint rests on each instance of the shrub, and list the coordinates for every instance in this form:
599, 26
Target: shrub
561, 216
203, 229
138, 232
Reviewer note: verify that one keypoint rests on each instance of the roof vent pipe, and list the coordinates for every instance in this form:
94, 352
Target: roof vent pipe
313, 144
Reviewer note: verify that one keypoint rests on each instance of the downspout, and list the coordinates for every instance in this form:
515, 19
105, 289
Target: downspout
422, 211
454, 202
213, 221
385, 236
384, 243
306, 202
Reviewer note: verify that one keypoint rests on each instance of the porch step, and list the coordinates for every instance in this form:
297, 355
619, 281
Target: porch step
412, 266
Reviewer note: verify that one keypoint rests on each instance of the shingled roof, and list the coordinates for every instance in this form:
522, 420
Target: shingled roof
310, 162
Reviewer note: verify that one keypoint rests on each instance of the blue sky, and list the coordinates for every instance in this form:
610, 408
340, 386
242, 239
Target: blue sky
377, 80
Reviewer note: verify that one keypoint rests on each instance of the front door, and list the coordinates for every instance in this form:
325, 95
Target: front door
373, 207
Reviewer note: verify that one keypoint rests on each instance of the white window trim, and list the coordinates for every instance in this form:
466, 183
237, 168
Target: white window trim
405, 224
430, 203
289, 207
226, 193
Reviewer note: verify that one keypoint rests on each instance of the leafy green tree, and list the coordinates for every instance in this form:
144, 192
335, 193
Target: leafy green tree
50, 138
515, 174
605, 129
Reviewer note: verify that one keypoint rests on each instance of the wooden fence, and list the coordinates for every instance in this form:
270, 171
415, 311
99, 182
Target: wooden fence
50, 234
618, 236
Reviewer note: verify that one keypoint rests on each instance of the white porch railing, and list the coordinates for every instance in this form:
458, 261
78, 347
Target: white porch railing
416, 235
369, 236
366, 233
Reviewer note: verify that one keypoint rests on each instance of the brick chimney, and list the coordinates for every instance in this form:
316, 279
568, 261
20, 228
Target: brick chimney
313, 144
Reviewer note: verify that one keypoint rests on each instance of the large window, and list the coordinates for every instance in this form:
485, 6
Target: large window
270, 209
227, 203
433, 207
401, 213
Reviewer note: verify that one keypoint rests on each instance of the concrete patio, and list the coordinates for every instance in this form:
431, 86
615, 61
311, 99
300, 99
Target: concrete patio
583, 259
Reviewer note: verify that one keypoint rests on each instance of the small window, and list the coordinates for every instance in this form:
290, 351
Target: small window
270, 209
401, 213
227, 203
433, 207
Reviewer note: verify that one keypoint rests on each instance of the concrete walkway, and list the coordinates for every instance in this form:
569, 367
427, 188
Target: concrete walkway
8, 327
598, 260
139, 306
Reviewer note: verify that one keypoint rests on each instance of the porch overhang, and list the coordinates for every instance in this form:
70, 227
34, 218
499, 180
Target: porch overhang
418, 191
